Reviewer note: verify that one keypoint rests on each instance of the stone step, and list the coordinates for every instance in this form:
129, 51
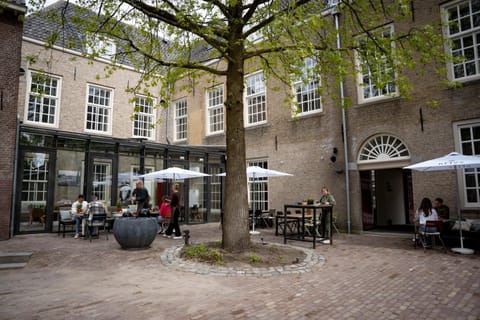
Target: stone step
7, 266
14, 257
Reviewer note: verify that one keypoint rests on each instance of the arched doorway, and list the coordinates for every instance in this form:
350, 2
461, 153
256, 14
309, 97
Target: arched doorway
385, 186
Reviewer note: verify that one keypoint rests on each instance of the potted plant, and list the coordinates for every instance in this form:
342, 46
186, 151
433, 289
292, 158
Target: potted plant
310, 201
79, 208
119, 206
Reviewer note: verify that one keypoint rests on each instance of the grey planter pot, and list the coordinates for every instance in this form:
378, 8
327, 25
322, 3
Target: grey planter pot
135, 233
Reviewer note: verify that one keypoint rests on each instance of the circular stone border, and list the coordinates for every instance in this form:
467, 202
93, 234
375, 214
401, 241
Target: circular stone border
171, 258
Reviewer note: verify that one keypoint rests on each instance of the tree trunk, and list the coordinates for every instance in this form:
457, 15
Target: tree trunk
235, 235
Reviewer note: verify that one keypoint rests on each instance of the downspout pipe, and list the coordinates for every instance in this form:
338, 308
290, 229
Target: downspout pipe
336, 15
14, 184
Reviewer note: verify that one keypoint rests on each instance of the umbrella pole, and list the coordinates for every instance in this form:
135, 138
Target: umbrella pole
461, 250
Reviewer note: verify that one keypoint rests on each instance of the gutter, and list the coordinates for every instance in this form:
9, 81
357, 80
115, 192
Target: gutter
336, 15
14, 184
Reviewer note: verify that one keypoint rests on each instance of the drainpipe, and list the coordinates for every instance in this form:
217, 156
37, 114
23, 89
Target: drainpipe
336, 15
14, 185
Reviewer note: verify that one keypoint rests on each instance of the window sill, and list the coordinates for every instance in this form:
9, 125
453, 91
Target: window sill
378, 101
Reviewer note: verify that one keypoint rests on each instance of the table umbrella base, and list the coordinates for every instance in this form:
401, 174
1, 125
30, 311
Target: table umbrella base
254, 232
463, 250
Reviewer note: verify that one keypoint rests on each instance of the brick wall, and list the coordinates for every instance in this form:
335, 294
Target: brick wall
10, 47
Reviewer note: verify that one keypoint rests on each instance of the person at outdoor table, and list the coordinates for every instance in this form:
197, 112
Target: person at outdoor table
165, 211
327, 197
141, 197
425, 213
79, 208
175, 205
443, 211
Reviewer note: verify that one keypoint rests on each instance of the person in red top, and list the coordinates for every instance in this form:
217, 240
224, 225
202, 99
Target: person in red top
164, 214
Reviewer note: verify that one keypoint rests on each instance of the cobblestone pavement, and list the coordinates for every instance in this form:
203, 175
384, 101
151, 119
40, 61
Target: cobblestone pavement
361, 277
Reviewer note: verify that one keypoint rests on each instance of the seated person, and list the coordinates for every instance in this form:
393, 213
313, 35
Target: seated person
442, 210
425, 213
79, 208
165, 212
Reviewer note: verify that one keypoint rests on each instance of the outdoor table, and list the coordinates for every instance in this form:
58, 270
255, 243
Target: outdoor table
300, 235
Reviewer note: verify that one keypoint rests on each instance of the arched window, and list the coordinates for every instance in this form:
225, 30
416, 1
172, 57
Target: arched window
383, 151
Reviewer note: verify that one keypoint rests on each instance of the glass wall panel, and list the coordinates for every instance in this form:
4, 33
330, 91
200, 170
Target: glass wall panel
36, 140
68, 180
154, 160
128, 169
34, 191
196, 191
102, 147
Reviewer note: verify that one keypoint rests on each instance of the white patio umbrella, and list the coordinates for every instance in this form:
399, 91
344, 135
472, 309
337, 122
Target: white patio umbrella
174, 173
452, 161
259, 172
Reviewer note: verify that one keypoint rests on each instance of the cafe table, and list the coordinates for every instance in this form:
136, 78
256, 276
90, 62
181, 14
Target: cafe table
307, 213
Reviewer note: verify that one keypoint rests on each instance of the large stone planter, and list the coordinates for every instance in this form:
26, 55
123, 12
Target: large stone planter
135, 233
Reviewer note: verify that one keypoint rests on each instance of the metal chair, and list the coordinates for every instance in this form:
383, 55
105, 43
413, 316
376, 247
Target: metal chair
97, 218
65, 219
431, 231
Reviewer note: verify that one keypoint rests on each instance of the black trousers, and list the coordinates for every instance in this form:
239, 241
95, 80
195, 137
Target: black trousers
174, 224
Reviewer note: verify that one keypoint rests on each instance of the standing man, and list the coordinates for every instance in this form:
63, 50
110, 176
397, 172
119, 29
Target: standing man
175, 205
79, 208
140, 196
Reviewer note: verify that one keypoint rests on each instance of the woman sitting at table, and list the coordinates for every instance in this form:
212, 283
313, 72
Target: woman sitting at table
425, 213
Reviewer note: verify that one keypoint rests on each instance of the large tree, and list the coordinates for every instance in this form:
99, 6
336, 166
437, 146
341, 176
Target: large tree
171, 39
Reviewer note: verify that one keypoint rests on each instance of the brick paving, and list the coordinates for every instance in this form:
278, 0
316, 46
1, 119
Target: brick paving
361, 277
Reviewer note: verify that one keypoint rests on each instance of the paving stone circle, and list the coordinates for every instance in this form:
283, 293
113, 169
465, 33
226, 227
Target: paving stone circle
171, 258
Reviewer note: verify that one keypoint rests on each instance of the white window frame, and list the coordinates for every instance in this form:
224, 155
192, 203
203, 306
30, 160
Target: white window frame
44, 97
309, 85
103, 47
463, 173
180, 120
361, 87
144, 118
108, 108
215, 110
258, 90
459, 37
102, 183
258, 187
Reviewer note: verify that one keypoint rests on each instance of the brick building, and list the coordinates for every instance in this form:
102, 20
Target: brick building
384, 133
362, 165
81, 132
11, 25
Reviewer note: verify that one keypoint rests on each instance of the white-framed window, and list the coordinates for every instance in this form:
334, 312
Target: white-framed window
463, 30
215, 188
467, 134
43, 99
306, 90
101, 47
258, 187
143, 118
102, 183
215, 110
255, 99
374, 69
99, 109
180, 120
